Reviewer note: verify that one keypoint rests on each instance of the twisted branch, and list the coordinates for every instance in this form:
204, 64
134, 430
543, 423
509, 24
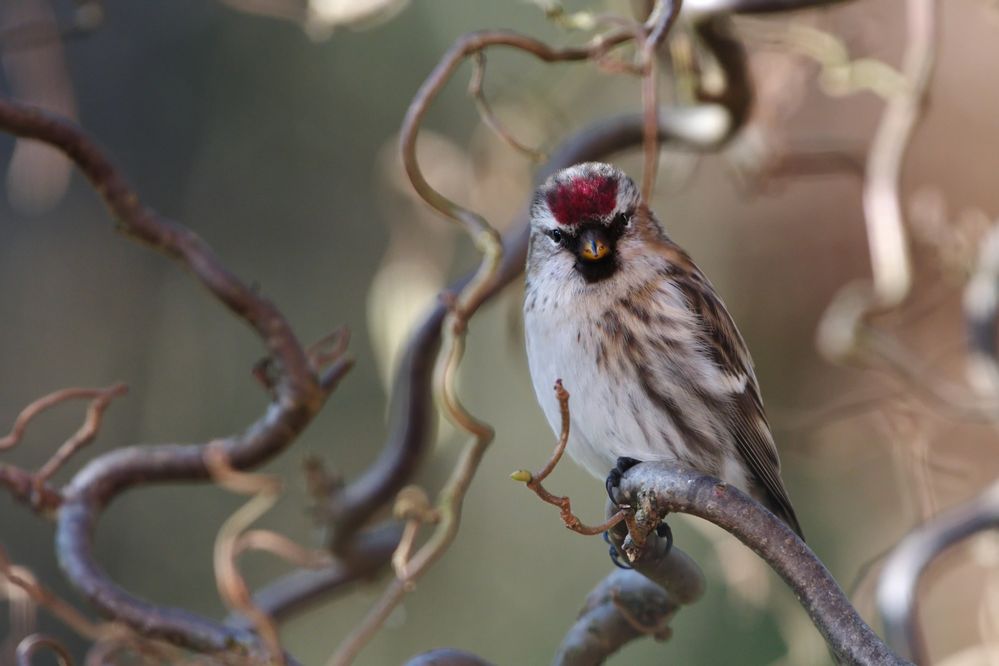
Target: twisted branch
27, 648
461, 307
657, 489
624, 606
897, 591
845, 318
702, 127
299, 392
535, 481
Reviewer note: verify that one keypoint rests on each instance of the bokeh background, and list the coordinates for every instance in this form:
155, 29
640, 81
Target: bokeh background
279, 149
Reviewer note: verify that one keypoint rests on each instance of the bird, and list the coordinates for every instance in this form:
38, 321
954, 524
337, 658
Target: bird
656, 367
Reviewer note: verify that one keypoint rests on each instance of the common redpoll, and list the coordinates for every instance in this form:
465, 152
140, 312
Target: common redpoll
655, 365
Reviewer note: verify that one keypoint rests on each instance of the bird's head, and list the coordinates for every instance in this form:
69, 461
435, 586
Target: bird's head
581, 215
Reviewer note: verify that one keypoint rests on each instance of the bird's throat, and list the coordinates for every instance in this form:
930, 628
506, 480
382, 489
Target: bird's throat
597, 271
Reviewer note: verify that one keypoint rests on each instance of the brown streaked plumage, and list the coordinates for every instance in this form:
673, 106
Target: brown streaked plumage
657, 368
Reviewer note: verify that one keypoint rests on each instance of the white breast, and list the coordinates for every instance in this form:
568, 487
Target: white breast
611, 415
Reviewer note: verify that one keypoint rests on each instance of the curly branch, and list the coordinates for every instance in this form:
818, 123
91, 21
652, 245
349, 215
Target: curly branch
882, 206
624, 606
34, 489
535, 482
27, 648
297, 396
488, 116
233, 539
86, 433
657, 489
660, 21
898, 584
411, 418
301, 589
99, 399
59, 608
702, 127
981, 316
447, 657
461, 308
839, 330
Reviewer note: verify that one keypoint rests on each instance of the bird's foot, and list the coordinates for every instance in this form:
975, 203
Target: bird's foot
664, 532
614, 477
615, 556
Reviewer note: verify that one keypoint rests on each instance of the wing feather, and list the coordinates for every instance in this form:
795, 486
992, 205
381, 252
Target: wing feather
744, 414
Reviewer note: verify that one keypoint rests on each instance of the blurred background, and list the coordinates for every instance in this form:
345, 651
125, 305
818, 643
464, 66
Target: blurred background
277, 145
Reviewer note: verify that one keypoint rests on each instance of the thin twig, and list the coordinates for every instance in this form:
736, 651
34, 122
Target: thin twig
701, 128
464, 305
882, 203
234, 539
86, 433
47, 599
662, 19
487, 115
297, 591
840, 331
298, 395
29, 413
535, 481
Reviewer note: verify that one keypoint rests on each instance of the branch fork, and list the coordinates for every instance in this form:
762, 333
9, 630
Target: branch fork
636, 531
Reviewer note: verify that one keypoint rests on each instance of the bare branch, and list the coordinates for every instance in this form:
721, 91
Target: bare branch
897, 591
754, 6
298, 396
657, 489
59, 608
23, 487
480, 286
233, 539
32, 411
302, 589
33, 489
664, 564
981, 316
86, 433
623, 607
489, 117
447, 657
534, 481
882, 205
660, 21
846, 316
35, 642
411, 418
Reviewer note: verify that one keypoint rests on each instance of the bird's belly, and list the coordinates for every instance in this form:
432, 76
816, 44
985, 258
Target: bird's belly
610, 414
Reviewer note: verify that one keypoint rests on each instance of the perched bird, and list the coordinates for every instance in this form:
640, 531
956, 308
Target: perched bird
655, 365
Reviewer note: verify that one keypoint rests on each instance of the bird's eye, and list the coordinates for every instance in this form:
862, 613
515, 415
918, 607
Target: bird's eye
556, 236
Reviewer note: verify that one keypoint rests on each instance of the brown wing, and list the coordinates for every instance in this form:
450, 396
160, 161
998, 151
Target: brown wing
745, 415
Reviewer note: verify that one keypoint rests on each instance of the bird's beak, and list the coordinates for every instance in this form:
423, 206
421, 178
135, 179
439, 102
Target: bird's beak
593, 245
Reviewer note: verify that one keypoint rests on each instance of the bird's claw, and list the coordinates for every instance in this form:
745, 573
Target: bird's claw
614, 478
615, 555
663, 531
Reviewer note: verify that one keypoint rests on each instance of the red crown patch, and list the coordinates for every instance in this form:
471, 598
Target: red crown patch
582, 199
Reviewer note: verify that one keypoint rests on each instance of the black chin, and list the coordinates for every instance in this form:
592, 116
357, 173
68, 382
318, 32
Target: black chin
596, 271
